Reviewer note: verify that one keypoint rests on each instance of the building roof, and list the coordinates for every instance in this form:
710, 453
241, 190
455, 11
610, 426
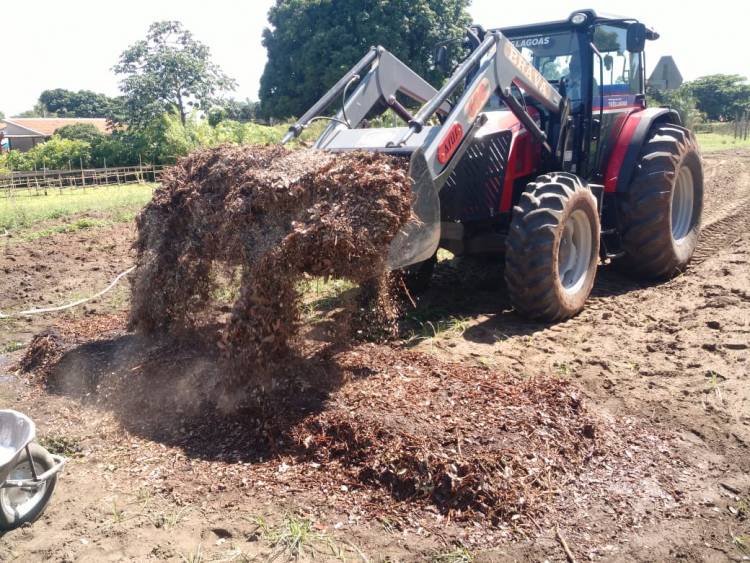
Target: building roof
46, 126
666, 75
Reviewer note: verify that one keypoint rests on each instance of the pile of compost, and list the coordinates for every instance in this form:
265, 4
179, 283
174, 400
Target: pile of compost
467, 440
270, 215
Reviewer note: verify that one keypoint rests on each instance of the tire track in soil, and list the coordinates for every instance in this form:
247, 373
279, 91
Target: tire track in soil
726, 204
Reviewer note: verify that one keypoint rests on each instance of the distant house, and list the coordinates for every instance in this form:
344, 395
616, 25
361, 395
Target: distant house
666, 75
23, 133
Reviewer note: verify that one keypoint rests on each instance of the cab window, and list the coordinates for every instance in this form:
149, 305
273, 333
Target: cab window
621, 73
556, 56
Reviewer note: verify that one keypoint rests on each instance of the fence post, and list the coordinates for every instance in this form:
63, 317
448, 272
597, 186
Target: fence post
738, 126
83, 178
36, 179
140, 168
12, 186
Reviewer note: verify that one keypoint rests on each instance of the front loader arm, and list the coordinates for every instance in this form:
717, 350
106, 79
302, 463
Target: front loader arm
383, 76
500, 67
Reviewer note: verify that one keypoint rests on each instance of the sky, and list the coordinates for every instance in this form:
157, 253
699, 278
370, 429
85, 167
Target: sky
73, 44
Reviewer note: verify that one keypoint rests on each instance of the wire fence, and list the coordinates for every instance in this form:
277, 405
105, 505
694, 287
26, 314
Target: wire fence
40, 182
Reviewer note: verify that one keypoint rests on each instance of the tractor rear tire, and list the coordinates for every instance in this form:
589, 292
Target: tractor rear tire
552, 249
660, 216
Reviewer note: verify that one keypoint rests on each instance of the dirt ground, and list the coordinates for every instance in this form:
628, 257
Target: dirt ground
659, 372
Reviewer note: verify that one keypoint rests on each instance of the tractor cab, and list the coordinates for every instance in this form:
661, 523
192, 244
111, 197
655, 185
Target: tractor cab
597, 61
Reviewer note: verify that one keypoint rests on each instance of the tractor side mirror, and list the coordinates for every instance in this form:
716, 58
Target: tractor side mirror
636, 38
441, 59
608, 62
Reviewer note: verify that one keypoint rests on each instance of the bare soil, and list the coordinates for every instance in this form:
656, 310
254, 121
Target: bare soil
625, 430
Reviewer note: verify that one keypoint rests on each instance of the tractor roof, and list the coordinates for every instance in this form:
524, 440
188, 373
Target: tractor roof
591, 17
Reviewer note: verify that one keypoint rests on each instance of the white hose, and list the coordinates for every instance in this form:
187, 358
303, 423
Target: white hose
69, 305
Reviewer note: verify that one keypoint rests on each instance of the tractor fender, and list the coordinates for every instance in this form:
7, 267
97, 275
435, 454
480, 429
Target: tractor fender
630, 140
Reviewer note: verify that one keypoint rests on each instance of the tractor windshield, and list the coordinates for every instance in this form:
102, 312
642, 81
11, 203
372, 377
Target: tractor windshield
556, 55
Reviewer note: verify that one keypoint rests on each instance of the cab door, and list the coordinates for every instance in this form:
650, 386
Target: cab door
617, 88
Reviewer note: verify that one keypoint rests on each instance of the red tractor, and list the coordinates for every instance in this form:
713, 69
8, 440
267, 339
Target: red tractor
539, 146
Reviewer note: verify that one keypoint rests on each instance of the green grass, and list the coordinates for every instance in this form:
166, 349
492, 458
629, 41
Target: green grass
710, 142
296, 537
26, 208
320, 295
11, 347
77, 225
195, 556
62, 445
742, 543
457, 555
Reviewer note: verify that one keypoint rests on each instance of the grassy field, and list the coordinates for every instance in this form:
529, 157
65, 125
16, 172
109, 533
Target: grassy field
27, 209
710, 142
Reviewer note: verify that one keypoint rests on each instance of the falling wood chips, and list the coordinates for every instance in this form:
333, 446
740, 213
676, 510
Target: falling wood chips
275, 215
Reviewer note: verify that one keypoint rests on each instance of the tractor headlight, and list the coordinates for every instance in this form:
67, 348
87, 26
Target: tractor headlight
578, 18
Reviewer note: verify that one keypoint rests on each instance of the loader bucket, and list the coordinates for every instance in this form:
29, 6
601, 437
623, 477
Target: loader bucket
419, 238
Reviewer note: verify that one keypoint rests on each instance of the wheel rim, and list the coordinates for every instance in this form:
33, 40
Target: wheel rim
574, 255
682, 204
21, 501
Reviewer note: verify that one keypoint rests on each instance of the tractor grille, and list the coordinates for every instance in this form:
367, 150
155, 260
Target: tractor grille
474, 189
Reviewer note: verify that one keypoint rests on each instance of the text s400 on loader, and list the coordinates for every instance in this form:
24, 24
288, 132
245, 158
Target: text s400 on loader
539, 146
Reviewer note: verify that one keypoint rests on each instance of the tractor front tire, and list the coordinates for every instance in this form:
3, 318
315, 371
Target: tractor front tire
552, 249
660, 215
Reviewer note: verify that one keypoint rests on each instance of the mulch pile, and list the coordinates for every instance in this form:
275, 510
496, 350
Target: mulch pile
467, 440
44, 352
275, 215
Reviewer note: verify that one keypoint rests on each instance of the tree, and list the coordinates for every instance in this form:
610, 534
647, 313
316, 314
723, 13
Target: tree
169, 71
2, 115
680, 99
234, 110
313, 42
80, 132
84, 103
720, 96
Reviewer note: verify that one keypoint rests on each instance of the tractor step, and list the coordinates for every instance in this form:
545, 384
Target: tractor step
614, 256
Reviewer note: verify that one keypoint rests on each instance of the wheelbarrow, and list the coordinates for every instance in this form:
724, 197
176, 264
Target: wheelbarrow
28, 472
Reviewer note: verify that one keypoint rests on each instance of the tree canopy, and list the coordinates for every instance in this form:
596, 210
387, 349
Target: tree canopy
168, 71
84, 103
313, 42
80, 132
234, 110
720, 96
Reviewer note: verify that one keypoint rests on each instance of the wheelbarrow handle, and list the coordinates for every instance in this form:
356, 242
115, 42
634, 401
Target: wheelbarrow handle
59, 461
